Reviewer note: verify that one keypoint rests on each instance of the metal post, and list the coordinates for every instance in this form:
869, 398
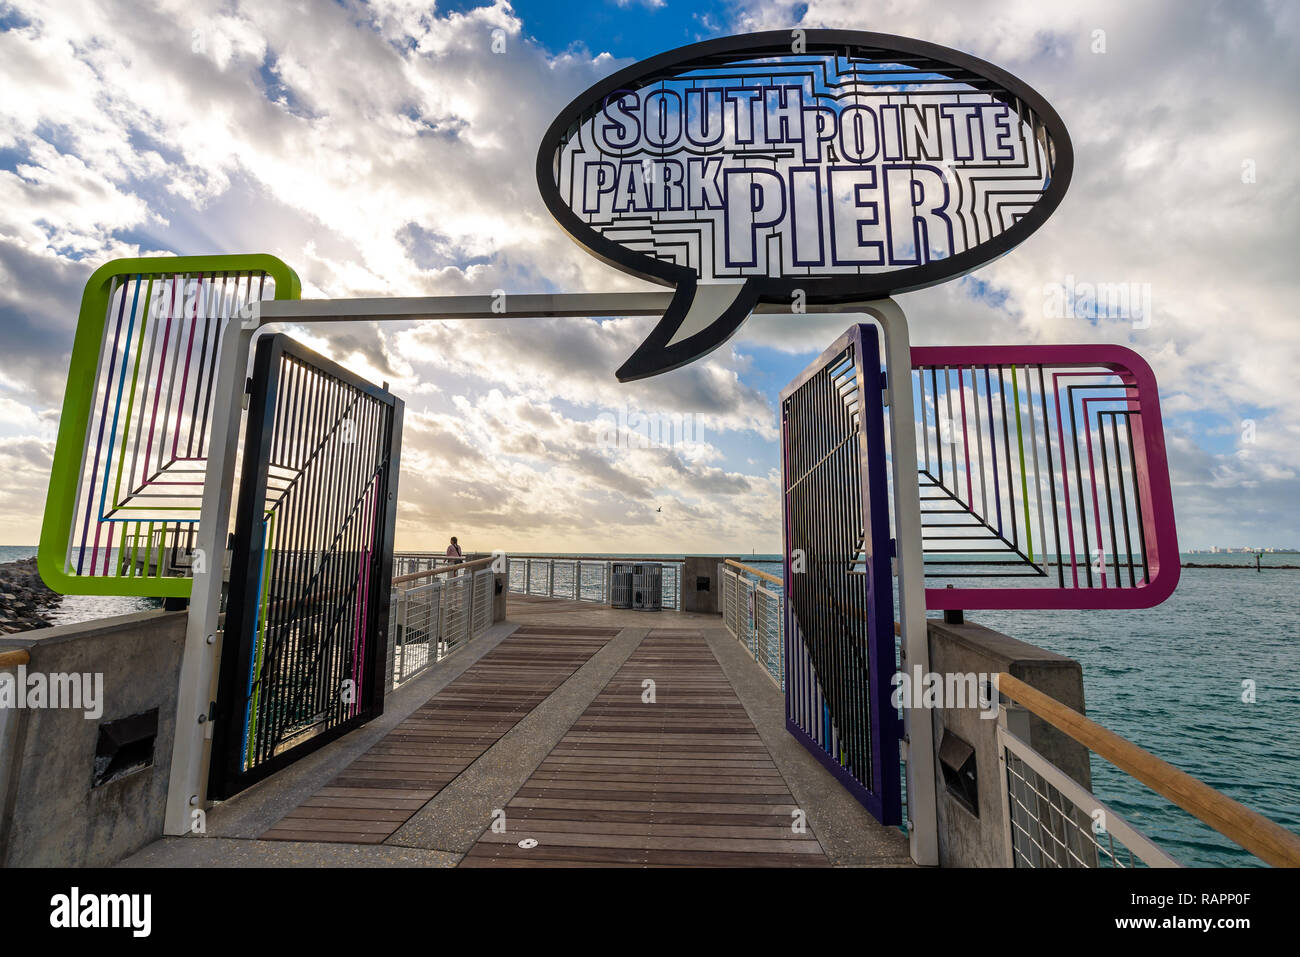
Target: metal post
403, 607
469, 615
467, 608
918, 730
188, 781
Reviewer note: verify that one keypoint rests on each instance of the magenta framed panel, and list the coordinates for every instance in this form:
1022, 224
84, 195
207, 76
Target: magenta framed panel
1043, 478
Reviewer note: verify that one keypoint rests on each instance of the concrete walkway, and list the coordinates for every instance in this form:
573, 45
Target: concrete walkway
593, 736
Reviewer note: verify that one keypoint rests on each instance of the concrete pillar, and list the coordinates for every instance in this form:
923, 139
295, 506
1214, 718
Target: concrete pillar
701, 590
500, 586
976, 835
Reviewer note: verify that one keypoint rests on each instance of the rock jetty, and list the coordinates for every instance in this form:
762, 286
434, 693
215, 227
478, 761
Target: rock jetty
23, 597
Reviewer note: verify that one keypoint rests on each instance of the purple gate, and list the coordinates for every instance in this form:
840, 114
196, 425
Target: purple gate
839, 611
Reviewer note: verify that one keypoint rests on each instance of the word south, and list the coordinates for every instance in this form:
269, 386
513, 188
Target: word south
77, 691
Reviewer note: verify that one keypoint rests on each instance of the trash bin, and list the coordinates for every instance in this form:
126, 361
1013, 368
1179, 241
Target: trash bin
620, 585
647, 586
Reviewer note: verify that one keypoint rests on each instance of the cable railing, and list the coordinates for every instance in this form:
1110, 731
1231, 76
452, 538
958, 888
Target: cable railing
1055, 822
753, 614
585, 577
436, 611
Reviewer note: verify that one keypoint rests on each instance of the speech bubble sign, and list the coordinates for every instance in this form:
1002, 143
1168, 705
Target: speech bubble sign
804, 167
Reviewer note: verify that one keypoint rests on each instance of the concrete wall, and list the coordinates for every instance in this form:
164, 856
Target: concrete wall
707, 601
500, 588
49, 813
967, 840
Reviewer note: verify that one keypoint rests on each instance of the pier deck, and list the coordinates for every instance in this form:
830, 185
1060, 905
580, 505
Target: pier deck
595, 737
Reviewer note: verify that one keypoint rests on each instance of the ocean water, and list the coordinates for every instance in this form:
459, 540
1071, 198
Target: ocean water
1170, 679
75, 608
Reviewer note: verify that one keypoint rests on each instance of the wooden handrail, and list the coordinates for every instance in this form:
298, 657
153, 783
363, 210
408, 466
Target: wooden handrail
443, 570
1265, 839
14, 658
754, 571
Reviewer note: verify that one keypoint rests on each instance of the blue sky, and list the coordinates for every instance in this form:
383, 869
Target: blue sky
636, 29
405, 168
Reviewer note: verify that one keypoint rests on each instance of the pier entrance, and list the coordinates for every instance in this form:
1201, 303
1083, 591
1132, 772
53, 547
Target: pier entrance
302, 660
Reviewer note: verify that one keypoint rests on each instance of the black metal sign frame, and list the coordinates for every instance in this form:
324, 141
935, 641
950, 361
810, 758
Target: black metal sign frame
660, 353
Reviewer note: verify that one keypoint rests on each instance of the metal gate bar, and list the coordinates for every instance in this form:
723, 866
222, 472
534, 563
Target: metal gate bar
306, 627
840, 614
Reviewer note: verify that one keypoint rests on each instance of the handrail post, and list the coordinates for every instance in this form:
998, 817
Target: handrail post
467, 607
403, 605
469, 615
1005, 721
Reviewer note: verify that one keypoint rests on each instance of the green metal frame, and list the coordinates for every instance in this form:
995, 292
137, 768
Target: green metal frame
78, 400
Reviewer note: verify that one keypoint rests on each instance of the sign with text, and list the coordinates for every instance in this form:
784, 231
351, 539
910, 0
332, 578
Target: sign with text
802, 167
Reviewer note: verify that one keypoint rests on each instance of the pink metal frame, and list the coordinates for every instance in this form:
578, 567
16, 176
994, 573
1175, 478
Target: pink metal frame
1151, 479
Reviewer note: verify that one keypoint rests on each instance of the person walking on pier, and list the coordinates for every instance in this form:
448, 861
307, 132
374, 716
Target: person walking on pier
454, 555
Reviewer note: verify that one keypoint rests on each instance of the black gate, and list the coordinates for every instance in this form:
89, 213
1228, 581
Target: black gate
840, 649
302, 659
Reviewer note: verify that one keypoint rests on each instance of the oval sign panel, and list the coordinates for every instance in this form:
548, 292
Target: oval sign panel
822, 166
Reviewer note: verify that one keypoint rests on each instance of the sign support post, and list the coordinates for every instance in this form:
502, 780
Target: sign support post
918, 730
187, 784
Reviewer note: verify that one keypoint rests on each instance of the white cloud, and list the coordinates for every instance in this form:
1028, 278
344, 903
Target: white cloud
385, 149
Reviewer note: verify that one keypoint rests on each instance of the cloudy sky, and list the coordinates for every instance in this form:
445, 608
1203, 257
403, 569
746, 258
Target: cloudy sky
384, 148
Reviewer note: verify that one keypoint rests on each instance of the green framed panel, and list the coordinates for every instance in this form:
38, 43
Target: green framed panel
123, 503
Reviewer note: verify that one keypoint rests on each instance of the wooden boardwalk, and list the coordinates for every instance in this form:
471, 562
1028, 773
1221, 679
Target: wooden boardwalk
379, 791
663, 768
573, 735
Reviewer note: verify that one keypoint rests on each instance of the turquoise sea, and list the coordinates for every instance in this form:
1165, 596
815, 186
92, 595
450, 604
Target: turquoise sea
1170, 679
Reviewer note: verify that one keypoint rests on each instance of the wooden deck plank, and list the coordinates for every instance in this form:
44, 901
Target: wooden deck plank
683, 780
379, 791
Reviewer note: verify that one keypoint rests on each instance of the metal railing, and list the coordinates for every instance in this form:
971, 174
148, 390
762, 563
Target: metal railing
1055, 822
753, 615
435, 612
584, 578
411, 563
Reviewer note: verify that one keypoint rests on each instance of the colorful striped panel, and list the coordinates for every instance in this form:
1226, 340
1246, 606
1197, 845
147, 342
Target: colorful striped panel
1044, 480
129, 467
